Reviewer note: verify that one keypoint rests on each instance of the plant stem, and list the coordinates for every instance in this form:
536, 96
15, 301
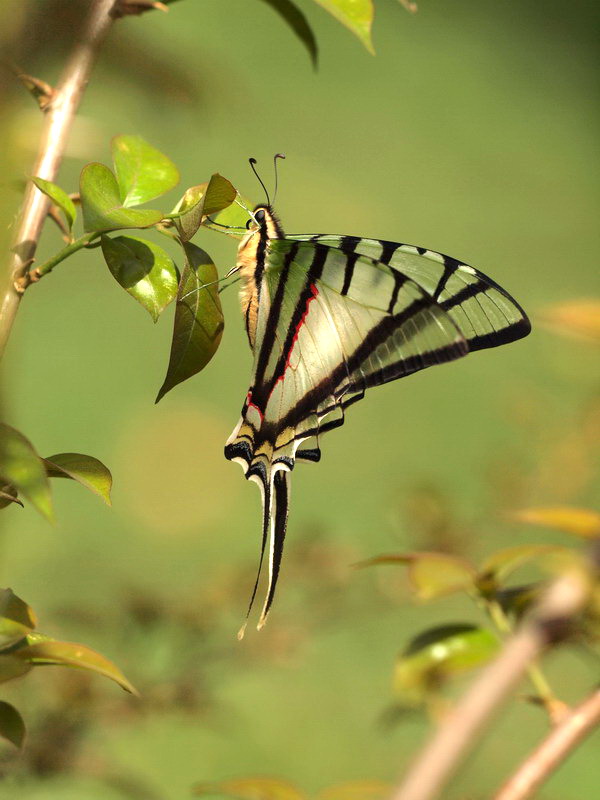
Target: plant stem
538, 766
78, 244
59, 117
463, 726
551, 703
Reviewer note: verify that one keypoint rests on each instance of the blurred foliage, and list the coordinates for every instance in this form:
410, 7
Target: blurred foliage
23, 471
274, 789
21, 648
436, 655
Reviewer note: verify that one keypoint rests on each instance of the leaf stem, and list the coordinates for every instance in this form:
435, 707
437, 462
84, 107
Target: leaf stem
551, 703
78, 244
59, 116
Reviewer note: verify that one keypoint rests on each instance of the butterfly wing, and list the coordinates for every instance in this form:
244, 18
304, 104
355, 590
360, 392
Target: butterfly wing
334, 319
484, 312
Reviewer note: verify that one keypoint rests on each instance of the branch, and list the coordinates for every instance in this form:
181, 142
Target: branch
553, 750
59, 117
461, 728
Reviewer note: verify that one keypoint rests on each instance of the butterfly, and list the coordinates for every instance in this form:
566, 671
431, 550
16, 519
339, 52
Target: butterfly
327, 317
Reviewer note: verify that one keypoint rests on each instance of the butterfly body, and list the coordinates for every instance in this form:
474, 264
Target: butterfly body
328, 317
252, 253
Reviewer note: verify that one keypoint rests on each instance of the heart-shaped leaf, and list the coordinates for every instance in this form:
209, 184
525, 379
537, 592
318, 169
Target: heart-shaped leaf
86, 470
199, 201
101, 203
59, 197
12, 726
143, 269
431, 574
438, 653
199, 323
42, 650
581, 522
143, 172
356, 15
21, 467
17, 619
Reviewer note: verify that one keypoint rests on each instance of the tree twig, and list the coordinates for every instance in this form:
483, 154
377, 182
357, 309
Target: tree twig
461, 729
553, 750
59, 117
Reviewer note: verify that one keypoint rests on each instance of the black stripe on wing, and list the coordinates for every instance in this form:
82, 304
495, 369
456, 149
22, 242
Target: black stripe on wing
269, 338
488, 321
352, 364
261, 389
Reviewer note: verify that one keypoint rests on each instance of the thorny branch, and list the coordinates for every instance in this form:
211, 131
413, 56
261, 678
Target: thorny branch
538, 766
461, 729
59, 114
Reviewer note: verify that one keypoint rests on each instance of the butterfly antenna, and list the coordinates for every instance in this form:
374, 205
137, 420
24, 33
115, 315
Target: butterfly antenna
275, 157
231, 272
253, 161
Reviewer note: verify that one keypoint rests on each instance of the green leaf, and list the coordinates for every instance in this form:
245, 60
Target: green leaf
298, 23
21, 467
232, 220
42, 651
431, 574
143, 172
17, 619
12, 667
437, 653
59, 197
12, 726
101, 203
199, 201
198, 326
143, 269
502, 563
250, 789
86, 470
357, 15
8, 496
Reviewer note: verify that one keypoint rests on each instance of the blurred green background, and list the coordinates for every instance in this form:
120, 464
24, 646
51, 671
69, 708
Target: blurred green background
472, 131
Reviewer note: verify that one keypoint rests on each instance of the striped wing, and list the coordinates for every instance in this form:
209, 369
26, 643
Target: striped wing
486, 314
335, 318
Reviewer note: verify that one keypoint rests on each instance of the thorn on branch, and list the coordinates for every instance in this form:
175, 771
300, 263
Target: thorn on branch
22, 282
41, 91
124, 8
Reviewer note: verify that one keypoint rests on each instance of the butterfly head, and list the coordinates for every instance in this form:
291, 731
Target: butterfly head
264, 221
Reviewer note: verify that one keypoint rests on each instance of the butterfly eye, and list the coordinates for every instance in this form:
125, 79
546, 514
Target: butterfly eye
259, 215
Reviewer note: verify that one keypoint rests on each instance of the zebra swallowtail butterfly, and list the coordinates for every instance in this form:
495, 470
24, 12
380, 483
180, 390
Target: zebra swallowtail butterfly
328, 317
